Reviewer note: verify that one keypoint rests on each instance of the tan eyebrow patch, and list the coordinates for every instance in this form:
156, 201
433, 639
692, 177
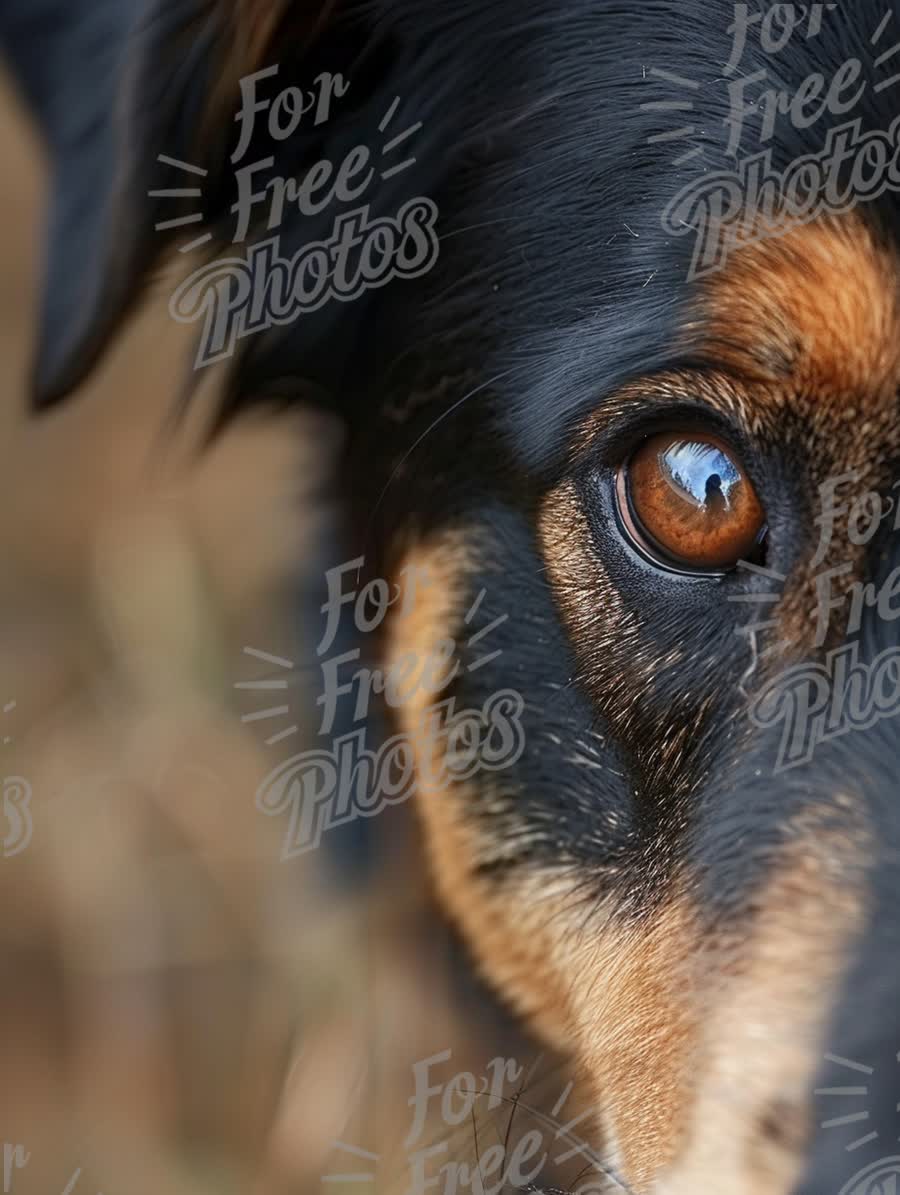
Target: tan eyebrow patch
814, 315
812, 321
797, 342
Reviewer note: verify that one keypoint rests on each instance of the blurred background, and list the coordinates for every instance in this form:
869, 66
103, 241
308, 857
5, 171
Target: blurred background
182, 1010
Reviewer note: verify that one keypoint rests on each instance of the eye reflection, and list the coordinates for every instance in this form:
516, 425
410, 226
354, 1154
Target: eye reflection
701, 474
688, 501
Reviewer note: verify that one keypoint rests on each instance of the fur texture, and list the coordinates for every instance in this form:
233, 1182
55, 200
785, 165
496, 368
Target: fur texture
696, 929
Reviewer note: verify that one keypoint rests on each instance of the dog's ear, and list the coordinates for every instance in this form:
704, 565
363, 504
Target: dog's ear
133, 98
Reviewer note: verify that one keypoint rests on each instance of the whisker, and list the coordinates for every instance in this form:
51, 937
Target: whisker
444, 415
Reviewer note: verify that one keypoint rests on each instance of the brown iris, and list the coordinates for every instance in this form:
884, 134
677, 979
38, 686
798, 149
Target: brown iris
687, 500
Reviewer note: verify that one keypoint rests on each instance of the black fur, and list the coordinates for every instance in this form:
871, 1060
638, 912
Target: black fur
462, 391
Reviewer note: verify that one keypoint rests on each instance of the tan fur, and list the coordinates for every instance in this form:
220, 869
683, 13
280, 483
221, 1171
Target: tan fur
621, 984
623, 663
801, 340
813, 319
767, 1028
700, 1042
815, 315
660, 1016
452, 841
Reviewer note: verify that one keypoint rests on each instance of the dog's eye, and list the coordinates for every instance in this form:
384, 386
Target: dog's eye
686, 500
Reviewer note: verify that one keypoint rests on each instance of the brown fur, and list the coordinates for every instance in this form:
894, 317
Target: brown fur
807, 324
657, 1011
812, 320
650, 1008
452, 842
613, 645
542, 967
748, 1129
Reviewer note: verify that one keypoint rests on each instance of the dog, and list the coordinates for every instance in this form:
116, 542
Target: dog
640, 427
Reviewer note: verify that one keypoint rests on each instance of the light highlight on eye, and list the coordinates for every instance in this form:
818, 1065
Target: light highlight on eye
686, 500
